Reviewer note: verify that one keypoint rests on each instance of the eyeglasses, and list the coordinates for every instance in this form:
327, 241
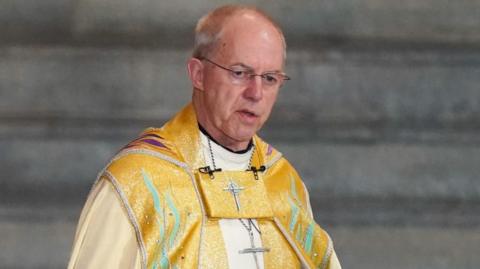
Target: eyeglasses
242, 76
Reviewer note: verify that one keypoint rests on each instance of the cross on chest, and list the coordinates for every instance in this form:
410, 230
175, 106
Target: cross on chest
235, 190
253, 250
250, 227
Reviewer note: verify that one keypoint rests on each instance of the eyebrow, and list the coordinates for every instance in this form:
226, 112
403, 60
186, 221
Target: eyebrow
251, 69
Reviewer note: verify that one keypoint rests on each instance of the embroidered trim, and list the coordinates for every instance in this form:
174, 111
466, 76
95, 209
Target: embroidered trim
99, 176
131, 216
292, 244
307, 197
93, 192
204, 217
328, 252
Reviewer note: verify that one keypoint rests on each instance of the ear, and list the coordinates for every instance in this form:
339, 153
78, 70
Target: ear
195, 73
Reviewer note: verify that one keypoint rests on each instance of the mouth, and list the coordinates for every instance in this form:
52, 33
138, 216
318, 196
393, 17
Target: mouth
248, 115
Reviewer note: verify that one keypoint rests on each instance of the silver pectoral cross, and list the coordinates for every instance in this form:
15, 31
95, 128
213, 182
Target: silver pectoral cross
253, 250
234, 189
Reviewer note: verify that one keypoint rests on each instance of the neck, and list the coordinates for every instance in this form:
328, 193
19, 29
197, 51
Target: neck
217, 156
215, 134
241, 151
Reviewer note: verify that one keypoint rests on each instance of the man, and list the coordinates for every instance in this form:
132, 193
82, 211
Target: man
204, 191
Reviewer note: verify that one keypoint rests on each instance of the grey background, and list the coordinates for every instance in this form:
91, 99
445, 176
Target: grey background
381, 119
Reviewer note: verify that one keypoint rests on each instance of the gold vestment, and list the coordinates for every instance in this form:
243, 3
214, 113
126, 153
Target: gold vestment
175, 207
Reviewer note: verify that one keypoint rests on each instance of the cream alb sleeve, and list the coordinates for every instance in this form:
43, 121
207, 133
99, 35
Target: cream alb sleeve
334, 263
105, 237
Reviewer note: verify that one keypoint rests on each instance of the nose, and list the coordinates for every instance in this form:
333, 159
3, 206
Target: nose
254, 90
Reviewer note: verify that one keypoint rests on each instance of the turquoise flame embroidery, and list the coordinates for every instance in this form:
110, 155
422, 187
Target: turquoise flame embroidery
293, 204
309, 238
294, 216
293, 188
160, 212
299, 233
176, 225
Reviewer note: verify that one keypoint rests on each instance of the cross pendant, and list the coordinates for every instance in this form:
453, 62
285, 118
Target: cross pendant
253, 250
234, 189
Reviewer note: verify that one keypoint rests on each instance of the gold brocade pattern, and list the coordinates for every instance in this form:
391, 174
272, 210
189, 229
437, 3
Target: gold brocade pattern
281, 254
213, 253
176, 215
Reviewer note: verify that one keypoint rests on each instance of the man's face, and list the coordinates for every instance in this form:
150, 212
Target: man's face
233, 110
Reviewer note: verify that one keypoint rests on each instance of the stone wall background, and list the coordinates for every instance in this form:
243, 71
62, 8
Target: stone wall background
382, 117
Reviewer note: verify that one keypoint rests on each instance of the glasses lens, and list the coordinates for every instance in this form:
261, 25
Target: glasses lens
240, 76
272, 79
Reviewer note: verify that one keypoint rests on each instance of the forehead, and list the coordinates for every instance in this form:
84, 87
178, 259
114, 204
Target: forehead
251, 40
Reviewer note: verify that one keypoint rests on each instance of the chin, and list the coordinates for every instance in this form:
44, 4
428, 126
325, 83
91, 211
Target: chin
241, 131
245, 136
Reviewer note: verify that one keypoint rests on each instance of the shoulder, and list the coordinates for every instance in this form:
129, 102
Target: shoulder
281, 175
276, 163
152, 140
103, 213
152, 153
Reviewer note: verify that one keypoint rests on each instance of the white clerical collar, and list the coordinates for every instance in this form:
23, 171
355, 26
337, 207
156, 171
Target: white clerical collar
224, 159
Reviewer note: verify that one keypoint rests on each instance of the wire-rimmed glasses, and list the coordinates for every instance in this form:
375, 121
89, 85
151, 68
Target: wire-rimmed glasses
243, 76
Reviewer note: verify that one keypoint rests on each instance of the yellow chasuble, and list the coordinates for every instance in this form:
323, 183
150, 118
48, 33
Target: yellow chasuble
174, 202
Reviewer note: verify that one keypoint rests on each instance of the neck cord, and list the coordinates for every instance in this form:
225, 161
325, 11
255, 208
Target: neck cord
211, 153
249, 227
252, 240
213, 158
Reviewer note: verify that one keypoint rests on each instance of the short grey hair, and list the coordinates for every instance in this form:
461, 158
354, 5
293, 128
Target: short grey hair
209, 28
